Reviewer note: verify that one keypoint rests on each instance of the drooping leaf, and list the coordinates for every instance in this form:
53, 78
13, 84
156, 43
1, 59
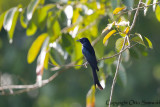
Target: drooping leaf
44, 55
154, 6
34, 49
31, 8
43, 12
52, 60
67, 43
31, 30
108, 35
146, 8
1, 20
138, 39
90, 99
23, 18
119, 44
41, 63
9, 18
46, 61
57, 53
10, 21
56, 30
149, 42
118, 9
158, 12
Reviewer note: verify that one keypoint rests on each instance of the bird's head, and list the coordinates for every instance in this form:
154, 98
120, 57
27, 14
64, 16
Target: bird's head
83, 40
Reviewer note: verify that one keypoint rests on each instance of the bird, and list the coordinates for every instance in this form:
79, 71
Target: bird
89, 54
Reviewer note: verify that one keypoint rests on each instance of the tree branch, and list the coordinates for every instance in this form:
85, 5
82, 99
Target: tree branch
119, 58
26, 88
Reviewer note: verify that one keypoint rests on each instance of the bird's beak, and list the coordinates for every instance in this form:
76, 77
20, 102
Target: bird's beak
78, 40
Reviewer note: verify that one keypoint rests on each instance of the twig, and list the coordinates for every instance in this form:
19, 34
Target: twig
26, 88
119, 58
117, 69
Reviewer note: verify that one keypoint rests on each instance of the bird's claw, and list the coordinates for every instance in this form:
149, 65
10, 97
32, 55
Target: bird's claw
85, 64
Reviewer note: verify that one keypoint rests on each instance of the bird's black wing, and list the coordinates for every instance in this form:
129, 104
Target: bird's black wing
89, 54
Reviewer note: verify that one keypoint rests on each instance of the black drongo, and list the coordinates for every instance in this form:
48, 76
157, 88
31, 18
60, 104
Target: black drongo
89, 54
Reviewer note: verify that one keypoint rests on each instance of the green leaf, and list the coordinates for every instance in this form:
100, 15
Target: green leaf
158, 12
90, 100
1, 20
149, 42
44, 55
119, 44
56, 29
67, 42
31, 30
10, 21
138, 39
31, 8
46, 61
34, 49
43, 12
23, 18
52, 60
57, 54
146, 8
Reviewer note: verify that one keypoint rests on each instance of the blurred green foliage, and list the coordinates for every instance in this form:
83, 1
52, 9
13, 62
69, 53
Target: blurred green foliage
42, 26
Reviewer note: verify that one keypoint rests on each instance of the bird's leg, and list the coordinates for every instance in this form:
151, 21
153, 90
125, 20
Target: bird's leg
85, 64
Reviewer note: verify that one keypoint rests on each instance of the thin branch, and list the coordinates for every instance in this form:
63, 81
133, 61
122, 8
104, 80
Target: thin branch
26, 88
135, 16
117, 69
119, 58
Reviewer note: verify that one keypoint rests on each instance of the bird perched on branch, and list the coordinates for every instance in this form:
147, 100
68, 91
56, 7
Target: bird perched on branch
89, 54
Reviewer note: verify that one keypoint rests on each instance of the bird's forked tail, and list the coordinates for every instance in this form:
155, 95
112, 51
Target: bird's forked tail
96, 81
